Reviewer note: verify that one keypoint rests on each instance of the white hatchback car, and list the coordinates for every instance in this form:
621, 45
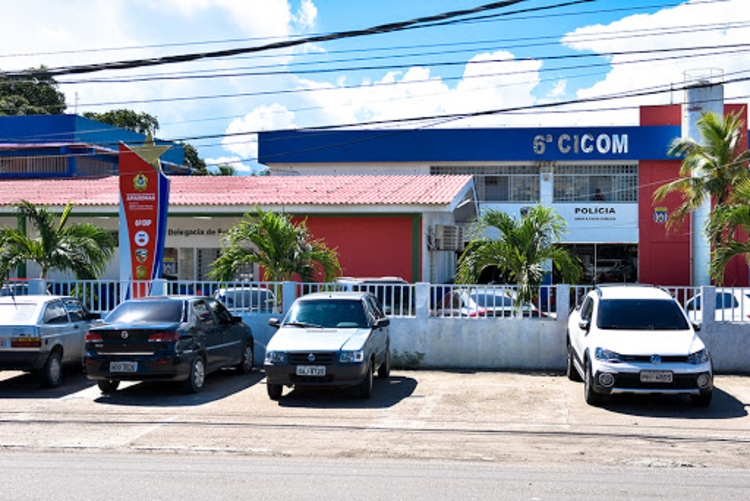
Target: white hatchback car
636, 339
732, 305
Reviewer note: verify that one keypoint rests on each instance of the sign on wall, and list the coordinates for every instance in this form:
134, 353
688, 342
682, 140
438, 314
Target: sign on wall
144, 200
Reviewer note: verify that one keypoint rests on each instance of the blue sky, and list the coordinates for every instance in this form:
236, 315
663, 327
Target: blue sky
525, 59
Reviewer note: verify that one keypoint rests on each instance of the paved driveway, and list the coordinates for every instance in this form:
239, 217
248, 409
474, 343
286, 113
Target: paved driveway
493, 417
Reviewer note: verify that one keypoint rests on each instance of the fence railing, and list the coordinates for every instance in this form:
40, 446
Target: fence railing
730, 304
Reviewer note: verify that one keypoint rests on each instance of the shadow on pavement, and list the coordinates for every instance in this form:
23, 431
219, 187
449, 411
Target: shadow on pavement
723, 406
218, 385
385, 393
27, 385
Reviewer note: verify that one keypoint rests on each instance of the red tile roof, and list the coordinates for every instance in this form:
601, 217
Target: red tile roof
249, 190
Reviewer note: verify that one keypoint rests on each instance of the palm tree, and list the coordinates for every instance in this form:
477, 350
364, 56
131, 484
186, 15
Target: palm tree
725, 221
709, 171
81, 248
521, 250
282, 248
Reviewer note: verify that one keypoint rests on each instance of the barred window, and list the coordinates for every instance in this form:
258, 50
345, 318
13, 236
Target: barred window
499, 183
579, 183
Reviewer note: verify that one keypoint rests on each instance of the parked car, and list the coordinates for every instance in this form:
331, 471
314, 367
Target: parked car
329, 339
394, 293
636, 339
167, 338
732, 305
482, 302
247, 298
42, 333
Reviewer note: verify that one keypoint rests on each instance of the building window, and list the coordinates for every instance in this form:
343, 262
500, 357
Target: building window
579, 183
499, 183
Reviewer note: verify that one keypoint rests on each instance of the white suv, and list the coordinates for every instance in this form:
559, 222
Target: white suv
636, 339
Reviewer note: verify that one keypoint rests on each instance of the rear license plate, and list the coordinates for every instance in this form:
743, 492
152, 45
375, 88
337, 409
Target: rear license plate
656, 376
311, 370
123, 366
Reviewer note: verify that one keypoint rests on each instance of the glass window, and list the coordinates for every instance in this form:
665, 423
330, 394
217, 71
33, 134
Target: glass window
146, 311
55, 313
328, 313
17, 313
499, 183
203, 313
640, 314
585, 183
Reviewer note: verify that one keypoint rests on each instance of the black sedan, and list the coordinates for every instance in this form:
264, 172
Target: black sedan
179, 338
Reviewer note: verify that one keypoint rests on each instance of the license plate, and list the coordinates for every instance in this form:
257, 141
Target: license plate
311, 370
123, 366
656, 376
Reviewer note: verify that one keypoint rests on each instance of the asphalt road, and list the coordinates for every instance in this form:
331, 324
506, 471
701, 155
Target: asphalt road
499, 421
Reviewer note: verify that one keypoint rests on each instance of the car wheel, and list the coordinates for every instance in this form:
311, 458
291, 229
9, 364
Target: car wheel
197, 376
52, 371
702, 400
274, 391
592, 397
246, 365
384, 371
570, 369
108, 385
365, 387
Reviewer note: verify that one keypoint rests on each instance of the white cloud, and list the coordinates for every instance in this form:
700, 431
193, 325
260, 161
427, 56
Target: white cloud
261, 118
240, 167
306, 15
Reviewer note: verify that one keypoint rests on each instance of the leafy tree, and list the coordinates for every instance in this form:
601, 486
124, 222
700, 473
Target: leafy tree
81, 248
282, 248
141, 123
225, 170
196, 163
710, 170
725, 222
523, 246
31, 96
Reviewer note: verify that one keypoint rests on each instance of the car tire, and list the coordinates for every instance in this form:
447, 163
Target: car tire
197, 377
702, 400
364, 390
274, 391
570, 368
246, 365
108, 385
51, 374
591, 397
384, 371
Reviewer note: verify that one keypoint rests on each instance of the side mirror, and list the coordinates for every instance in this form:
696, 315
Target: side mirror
236, 319
696, 326
382, 322
584, 325
274, 322
95, 316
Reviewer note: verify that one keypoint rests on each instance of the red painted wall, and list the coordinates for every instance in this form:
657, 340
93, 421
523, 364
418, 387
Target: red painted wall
368, 246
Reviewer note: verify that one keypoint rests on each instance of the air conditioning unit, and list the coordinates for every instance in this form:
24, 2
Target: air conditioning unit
449, 237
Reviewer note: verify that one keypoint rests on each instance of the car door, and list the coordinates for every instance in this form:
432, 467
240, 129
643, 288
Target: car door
230, 333
380, 337
78, 316
206, 325
577, 334
57, 329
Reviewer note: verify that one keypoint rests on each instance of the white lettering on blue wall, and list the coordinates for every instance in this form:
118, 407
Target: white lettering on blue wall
603, 144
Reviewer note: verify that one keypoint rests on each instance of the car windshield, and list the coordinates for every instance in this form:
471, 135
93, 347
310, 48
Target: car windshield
490, 300
146, 311
640, 314
17, 313
328, 313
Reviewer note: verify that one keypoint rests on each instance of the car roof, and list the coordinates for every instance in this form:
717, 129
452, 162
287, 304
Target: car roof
31, 298
632, 291
358, 295
170, 298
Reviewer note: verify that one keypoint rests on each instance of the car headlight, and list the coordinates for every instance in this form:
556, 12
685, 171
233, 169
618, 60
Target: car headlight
275, 357
608, 356
352, 356
699, 357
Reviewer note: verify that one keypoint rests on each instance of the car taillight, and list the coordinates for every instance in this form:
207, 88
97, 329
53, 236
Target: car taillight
26, 342
164, 337
93, 337
481, 312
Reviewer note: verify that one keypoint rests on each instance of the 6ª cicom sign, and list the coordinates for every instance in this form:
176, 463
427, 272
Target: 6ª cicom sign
586, 143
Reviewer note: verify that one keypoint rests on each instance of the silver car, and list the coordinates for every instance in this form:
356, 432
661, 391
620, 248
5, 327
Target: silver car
42, 333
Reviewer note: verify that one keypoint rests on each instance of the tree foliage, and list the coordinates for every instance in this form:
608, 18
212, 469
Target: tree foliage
142, 123
709, 170
31, 96
725, 225
82, 248
282, 248
521, 250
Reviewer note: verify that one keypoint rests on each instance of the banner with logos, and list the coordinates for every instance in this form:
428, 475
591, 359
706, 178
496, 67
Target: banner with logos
144, 201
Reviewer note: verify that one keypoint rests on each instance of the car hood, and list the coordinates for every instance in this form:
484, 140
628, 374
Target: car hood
649, 342
316, 339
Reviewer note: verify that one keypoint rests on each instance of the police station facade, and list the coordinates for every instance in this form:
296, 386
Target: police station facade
601, 180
